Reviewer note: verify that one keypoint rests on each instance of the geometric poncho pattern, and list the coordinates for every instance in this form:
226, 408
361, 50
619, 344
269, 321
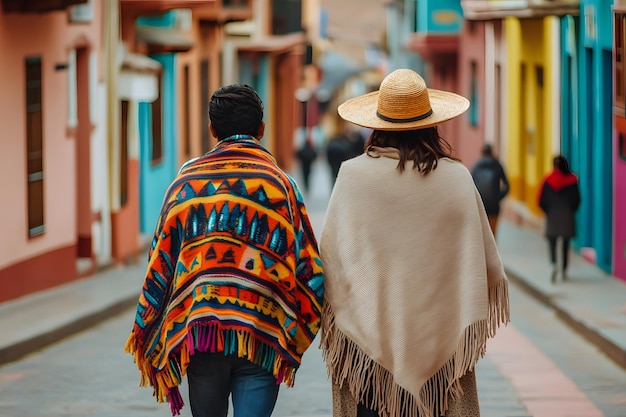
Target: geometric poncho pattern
234, 267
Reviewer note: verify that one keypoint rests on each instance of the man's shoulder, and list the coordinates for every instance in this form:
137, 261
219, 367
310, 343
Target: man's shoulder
189, 163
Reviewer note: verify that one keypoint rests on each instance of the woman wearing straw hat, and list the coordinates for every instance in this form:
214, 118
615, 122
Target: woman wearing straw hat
414, 282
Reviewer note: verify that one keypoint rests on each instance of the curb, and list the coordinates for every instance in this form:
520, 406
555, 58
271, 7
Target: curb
25, 347
613, 351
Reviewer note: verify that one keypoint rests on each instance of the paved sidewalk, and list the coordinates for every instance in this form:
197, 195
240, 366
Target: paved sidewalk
34, 321
591, 301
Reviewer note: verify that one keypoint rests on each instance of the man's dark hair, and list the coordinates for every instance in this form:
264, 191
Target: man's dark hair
235, 110
422, 146
487, 150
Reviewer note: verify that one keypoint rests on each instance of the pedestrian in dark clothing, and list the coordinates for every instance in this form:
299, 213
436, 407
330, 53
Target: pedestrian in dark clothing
345, 145
491, 183
358, 142
559, 198
339, 149
306, 155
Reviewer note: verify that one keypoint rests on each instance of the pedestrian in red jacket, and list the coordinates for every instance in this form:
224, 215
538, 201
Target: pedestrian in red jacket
559, 198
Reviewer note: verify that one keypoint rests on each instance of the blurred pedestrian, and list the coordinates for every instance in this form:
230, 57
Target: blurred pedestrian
343, 145
559, 198
358, 141
338, 149
492, 184
306, 155
234, 285
414, 284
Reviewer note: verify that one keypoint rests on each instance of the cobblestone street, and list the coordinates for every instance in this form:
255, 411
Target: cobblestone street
535, 367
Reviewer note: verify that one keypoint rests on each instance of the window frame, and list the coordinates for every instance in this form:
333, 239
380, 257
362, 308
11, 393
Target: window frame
619, 48
34, 138
156, 148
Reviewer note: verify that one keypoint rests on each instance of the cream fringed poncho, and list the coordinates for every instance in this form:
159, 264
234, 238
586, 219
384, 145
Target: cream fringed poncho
414, 284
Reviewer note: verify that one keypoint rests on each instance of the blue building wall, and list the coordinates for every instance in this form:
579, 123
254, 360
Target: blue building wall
154, 179
590, 151
257, 76
569, 87
439, 17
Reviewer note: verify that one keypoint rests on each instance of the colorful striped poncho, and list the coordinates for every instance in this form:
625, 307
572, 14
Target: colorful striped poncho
234, 267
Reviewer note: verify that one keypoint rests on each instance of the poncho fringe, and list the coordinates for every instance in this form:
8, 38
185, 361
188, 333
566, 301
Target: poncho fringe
206, 337
348, 364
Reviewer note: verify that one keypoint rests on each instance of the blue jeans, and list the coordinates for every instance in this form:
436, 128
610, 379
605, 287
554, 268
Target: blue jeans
213, 377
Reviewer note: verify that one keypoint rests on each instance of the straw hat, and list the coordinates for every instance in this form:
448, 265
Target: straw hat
403, 102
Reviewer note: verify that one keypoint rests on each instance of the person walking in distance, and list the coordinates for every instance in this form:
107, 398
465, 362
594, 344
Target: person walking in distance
346, 143
492, 184
306, 156
559, 198
234, 286
414, 284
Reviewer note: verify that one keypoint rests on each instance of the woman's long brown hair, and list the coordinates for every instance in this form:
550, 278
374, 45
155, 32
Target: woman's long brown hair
423, 146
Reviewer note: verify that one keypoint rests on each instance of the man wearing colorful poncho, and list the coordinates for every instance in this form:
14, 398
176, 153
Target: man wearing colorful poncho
234, 285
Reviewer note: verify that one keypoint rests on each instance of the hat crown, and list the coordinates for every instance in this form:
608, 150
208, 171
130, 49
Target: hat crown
403, 102
403, 97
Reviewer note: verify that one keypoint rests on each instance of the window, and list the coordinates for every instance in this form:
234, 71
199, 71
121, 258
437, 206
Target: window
204, 104
539, 75
124, 152
473, 110
34, 147
286, 17
619, 93
472, 26
186, 115
234, 3
157, 126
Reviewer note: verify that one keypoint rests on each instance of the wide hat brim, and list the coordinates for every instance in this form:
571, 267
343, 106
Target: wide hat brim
362, 111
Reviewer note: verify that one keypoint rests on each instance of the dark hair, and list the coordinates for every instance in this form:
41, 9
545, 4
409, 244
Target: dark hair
561, 164
487, 150
423, 146
235, 110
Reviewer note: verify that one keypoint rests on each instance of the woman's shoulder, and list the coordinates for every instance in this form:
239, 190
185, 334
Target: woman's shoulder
455, 167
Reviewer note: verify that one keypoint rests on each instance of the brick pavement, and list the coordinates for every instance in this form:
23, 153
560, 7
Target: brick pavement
538, 384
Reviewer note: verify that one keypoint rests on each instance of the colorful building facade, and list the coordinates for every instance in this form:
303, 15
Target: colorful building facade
482, 78
436, 40
619, 140
175, 48
558, 91
589, 144
53, 94
86, 84
533, 123
269, 53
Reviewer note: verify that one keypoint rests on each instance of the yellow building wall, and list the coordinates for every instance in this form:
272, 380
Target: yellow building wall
515, 165
531, 93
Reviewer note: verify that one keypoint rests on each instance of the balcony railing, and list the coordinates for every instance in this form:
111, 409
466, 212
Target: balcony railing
496, 9
224, 11
38, 6
146, 6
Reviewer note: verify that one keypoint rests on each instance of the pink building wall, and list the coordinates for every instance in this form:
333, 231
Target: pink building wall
49, 36
472, 49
